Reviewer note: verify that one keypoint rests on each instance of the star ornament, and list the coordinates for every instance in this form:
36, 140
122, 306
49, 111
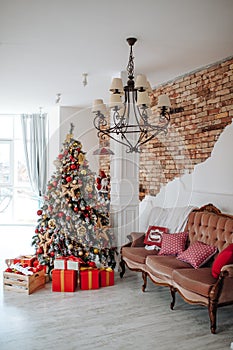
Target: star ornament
66, 189
69, 138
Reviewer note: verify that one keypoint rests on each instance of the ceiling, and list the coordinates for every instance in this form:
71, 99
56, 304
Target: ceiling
46, 45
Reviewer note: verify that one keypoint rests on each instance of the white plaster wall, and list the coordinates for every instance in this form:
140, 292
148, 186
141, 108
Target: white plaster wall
84, 131
54, 137
210, 182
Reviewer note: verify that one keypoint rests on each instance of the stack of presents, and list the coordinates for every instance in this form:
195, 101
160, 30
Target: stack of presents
25, 274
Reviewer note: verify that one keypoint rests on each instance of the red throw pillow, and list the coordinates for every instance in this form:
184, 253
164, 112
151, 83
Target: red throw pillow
197, 254
225, 257
154, 235
173, 243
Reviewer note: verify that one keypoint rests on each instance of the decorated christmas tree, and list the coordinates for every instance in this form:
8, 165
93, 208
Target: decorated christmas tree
74, 217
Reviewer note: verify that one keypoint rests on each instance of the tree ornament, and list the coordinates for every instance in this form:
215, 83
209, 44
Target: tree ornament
81, 231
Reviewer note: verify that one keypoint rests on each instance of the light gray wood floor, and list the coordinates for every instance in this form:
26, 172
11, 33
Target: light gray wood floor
117, 317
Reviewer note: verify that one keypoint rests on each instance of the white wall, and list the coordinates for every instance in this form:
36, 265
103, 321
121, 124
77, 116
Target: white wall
54, 138
60, 119
210, 182
84, 131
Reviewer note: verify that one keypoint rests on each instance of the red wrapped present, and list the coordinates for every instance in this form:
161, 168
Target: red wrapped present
89, 278
25, 259
106, 277
64, 280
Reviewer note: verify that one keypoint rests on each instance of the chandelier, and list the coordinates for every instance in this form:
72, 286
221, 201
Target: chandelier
132, 123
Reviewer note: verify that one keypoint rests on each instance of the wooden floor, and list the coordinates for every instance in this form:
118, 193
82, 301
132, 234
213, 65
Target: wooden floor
117, 317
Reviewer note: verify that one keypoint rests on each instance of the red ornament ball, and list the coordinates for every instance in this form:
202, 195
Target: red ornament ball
73, 166
68, 178
92, 264
60, 156
68, 218
39, 250
39, 212
61, 214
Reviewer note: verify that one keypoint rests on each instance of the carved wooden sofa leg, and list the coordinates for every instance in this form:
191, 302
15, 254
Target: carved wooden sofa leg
122, 266
213, 301
212, 314
173, 295
144, 277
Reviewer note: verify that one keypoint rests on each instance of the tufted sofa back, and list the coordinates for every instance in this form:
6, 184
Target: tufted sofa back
210, 228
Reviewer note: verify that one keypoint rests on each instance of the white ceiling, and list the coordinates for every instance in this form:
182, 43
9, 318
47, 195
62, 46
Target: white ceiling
46, 45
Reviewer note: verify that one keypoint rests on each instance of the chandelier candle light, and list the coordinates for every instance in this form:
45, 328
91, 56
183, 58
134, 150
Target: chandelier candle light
130, 123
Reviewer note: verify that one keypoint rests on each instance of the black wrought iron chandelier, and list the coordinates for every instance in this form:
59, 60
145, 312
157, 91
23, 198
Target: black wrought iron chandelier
131, 124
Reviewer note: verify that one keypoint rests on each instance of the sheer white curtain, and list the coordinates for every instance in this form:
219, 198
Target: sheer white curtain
35, 141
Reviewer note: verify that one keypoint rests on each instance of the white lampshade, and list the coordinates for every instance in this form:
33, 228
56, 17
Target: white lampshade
141, 82
116, 85
143, 98
98, 105
115, 100
164, 101
148, 87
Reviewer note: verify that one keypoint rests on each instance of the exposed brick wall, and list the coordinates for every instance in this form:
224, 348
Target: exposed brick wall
207, 98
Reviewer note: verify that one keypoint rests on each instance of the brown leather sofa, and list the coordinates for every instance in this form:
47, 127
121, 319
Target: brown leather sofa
196, 286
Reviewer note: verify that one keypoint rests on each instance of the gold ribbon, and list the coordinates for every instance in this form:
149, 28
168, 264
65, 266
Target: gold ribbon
107, 278
89, 279
62, 279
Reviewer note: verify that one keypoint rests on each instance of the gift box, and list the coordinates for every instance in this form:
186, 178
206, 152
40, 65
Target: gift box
25, 259
89, 278
106, 277
72, 265
60, 263
67, 263
64, 280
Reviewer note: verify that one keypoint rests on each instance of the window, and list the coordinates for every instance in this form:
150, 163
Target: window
18, 204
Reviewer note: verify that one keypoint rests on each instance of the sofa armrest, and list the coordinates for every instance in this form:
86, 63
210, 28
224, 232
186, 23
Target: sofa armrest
227, 270
137, 239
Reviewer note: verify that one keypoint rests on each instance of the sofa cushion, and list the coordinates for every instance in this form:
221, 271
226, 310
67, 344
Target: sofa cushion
197, 254
199, 281
137, 254
164, 265
154, 234
173, 243
225, 257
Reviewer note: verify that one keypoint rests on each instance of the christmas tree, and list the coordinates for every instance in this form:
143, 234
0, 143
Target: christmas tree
74, 217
